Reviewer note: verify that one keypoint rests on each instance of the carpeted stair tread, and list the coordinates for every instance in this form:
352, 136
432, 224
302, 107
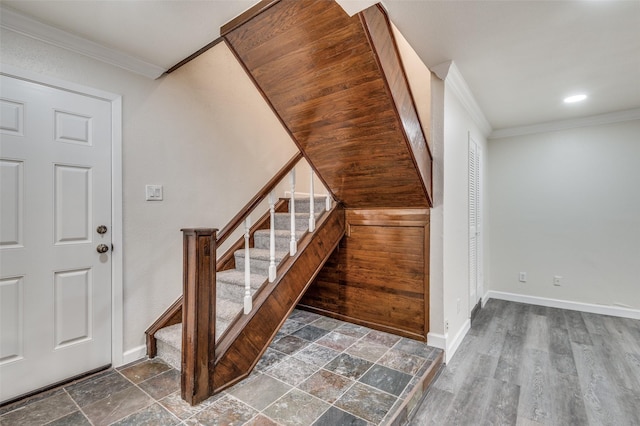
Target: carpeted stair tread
171, 335
261, 254
319, 204
261, 238
235, 277
283, 220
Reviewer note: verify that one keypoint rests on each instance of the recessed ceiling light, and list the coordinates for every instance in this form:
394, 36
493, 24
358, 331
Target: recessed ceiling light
574, 98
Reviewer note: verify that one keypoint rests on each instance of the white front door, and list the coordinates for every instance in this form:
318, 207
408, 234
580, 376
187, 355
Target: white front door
55, 288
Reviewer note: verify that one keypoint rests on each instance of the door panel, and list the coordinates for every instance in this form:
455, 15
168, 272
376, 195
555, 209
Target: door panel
55, 288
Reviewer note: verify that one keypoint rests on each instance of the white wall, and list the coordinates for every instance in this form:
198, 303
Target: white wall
567, 203
458, 124
204, 132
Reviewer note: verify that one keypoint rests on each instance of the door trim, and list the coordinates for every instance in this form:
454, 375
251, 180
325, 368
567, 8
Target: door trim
117, 323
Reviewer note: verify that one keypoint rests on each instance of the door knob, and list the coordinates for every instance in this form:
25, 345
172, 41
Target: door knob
101, 229
102, 248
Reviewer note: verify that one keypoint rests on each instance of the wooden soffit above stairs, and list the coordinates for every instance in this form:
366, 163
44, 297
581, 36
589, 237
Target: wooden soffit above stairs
337, 84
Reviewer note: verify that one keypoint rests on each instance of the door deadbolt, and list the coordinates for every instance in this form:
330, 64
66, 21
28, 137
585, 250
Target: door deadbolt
102, 248
101, 229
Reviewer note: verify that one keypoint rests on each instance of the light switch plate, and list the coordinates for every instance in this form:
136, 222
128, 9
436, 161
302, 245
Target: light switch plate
153, 192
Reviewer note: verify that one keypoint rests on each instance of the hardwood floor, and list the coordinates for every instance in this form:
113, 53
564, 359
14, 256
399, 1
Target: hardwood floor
532, 365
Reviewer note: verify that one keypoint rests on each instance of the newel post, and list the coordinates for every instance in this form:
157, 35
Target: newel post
198, 314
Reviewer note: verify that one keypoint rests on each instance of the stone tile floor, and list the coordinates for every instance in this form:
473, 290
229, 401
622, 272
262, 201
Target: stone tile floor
318, 371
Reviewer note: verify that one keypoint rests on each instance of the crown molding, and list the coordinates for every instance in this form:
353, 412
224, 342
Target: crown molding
553, 126
19, 23
449, 72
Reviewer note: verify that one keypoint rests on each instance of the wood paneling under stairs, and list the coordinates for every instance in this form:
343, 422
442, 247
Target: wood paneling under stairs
337, 85
379, 274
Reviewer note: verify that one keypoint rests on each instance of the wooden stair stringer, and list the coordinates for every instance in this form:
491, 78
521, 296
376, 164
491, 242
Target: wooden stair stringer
241, 347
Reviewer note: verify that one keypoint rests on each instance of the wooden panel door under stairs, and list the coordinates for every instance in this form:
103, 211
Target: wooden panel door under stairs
379, 274
338, 86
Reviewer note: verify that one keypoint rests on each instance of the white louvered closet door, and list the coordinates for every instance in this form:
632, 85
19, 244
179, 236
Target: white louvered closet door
475, 227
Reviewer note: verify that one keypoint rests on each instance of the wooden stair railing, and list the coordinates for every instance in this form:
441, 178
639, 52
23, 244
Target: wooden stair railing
205, 365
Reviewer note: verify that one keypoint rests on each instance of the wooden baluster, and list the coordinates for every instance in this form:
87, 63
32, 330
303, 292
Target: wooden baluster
293, 245
312, 212
247, 267
272, 237
328, 202
199, 314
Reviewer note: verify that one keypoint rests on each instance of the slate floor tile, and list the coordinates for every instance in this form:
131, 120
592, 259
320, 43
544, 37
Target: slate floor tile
337, 341
327, 323
145, 370
41, 412
335, 416
352, 330
292, 371
117, 406
402, 361
310, 333
386, 379
259, 391
151, 416
317, 355
304, 316
413, 347
162, 385
261, 420
290, 326
179, 407
382, 338
289, 344
318, 371
370, 351
296, 408
326, 385
30, 400
366, 402
74, 419
270, 358
349, 366
85, 393
226, 411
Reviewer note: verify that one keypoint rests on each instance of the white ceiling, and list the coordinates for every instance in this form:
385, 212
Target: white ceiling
519, 58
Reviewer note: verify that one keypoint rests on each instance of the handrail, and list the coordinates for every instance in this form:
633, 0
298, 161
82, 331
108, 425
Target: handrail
244, 212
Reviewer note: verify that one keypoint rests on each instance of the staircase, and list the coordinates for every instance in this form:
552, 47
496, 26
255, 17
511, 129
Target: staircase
337, 84
230, 286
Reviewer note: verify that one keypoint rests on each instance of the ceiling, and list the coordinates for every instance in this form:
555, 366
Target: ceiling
519, 58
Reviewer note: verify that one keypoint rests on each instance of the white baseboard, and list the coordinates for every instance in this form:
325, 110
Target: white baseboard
134, 354
437, 340
615, 311
454, 344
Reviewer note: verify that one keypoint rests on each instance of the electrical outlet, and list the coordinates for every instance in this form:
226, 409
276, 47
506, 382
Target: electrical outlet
522, 277
557, 280
446, 326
